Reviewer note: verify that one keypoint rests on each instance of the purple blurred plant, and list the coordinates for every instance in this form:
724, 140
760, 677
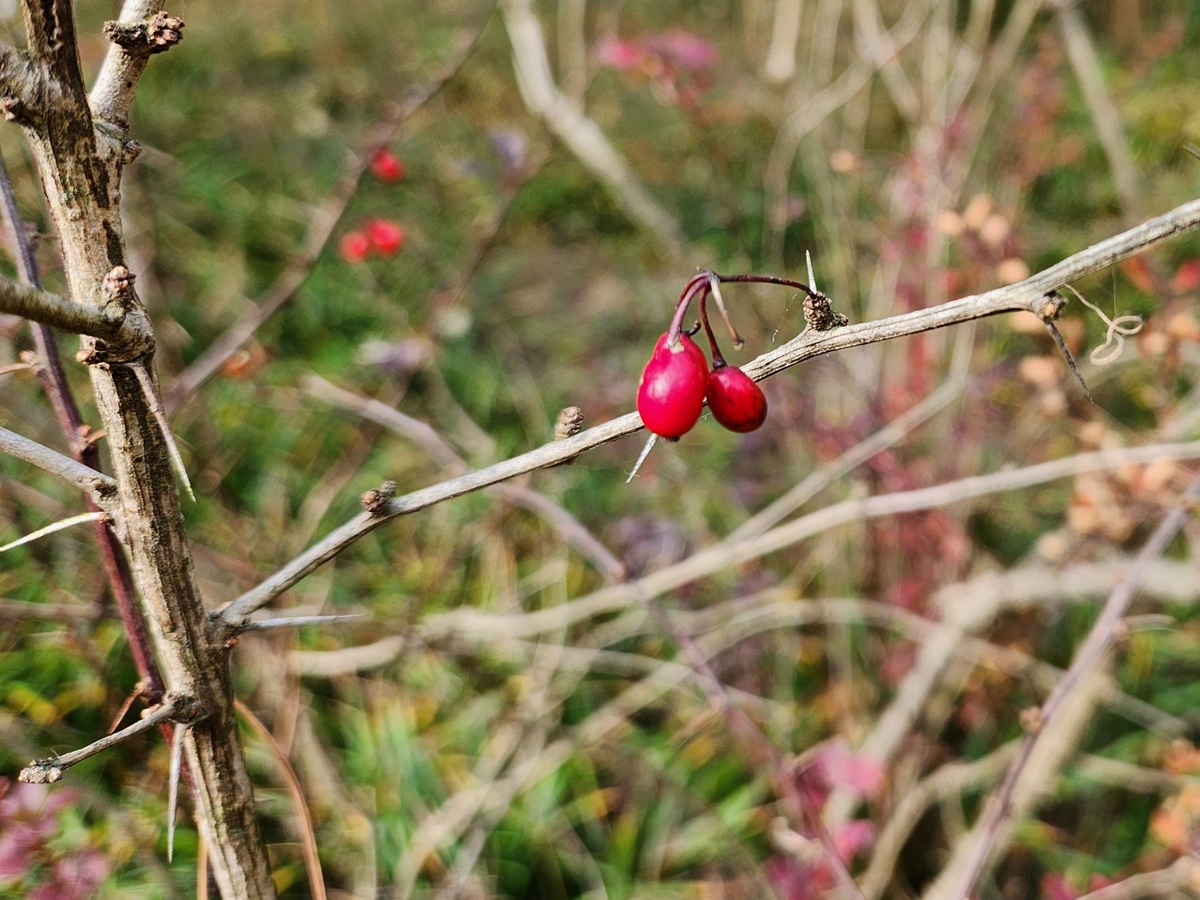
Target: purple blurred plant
34, 863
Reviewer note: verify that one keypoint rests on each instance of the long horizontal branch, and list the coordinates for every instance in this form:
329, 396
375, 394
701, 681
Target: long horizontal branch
57, 312
1025, 295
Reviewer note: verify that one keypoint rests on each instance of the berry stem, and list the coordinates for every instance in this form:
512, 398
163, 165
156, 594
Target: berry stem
765, 279
698, 283
718, 361
714, 283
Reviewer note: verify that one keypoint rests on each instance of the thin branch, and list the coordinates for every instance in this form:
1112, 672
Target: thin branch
1181, 874
581, 135
140, 31
308, 837
724, 555
56, 526
802, 810
1098, 641
1082, 54
1025, 295
950, 780
100, 488
47, 309
175, 707
300, 621
428, 439
321, 227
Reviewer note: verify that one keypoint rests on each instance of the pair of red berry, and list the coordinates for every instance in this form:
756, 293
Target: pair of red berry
381, 236
677, 379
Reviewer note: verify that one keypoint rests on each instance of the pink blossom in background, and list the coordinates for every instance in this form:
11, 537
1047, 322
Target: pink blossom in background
675, 62
621, 55
686, 50
30, 856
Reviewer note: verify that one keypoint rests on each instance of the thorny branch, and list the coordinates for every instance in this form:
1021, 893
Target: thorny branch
174, 708
1029, 295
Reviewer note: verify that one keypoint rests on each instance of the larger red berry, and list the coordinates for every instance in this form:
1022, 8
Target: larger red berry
736, 402
671, 393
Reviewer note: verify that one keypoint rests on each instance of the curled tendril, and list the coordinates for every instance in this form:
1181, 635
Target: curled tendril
1118, 329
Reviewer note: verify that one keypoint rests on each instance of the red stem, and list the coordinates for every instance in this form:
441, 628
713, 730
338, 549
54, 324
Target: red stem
54, 380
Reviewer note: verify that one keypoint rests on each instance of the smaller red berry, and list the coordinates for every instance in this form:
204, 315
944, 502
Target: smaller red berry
354, 246
386, 166
735, 400
386, 236
671, 393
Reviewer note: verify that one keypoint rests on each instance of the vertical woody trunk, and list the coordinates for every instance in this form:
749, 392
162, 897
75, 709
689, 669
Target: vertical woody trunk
80, 148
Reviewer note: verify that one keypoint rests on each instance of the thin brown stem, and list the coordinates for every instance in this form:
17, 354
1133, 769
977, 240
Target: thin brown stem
1097, 643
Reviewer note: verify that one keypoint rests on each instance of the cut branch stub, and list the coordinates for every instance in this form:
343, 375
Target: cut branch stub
154, 35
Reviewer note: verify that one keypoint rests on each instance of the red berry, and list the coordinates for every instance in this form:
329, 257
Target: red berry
387, 237
354, 246
386, 166
671, 393
736, 402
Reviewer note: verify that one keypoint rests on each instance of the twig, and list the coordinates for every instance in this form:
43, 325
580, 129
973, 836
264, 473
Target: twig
1026, 295
56, 526
429, 440
178, 733
49, 770
160, 416
56, 312
947, 781
308, 837
1084, 60
321, 226
100, 488
581, 135
723, 555
300, 621
1163, 883
1099, 639
112, 94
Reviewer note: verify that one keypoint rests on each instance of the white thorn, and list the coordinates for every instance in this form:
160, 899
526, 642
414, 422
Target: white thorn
160, 416
173, 784
650, 442
812, 279
50, 529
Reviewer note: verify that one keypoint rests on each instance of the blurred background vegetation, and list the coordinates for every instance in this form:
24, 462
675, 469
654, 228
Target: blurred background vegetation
920, 151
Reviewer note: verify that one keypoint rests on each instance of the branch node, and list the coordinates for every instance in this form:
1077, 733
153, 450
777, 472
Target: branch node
118, 283
376, 499
1051, 307
820, 314
185, 709
1031, 719
130, 150
150, 36
14, 109
569, 424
